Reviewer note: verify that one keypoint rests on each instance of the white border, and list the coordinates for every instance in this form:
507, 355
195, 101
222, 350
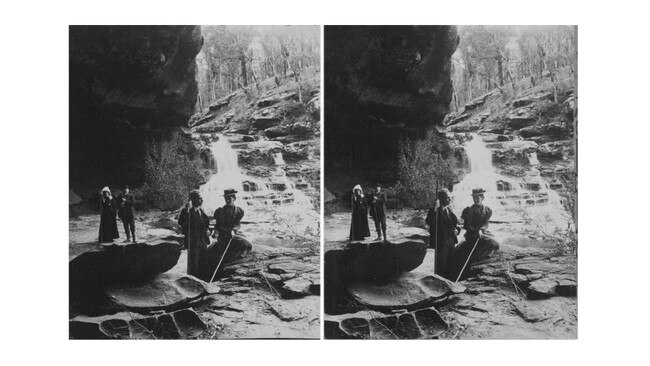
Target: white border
613, 184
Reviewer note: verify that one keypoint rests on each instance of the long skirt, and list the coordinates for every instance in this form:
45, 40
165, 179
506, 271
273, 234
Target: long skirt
485, 248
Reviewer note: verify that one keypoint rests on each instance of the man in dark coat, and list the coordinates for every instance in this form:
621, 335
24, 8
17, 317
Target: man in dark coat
359, 229
378, 211
477, 238
127, 213
443, 228
227, 225
107, 222
194, 225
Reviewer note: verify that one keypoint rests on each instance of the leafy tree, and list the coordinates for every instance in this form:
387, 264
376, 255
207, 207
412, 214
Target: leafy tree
422, 170
170, 174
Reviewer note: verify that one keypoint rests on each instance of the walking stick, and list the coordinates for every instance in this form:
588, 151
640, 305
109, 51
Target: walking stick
189, 244
467, 261
352, 225
100, 216
222, 257
435, 232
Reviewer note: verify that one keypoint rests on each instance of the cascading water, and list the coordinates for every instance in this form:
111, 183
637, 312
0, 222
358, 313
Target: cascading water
278, 159
532, 159
228, 175
481, 175
252, 191
509, 198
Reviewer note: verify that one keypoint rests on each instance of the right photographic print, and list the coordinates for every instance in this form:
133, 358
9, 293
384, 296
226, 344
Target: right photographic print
450, 183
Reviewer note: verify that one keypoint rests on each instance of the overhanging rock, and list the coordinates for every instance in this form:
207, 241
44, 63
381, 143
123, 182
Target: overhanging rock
377, 260
130, 263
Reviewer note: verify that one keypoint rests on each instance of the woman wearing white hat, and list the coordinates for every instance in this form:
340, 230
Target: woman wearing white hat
107, 222
359, 229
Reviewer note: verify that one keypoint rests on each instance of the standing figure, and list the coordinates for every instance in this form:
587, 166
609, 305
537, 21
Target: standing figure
477, 238
194, 225
107, 222
359, 229
378, 211
127, 213
443, 228
228, 222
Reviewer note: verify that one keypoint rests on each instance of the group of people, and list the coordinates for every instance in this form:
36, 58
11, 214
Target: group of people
362, 206
203, 258
451, 258
122, 206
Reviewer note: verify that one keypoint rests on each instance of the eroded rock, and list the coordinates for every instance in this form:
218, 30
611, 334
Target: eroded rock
408, 291
176, 325
129, 263
419, 324
167, 291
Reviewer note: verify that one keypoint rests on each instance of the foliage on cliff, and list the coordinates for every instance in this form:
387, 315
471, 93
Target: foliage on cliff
170, 174
422, 169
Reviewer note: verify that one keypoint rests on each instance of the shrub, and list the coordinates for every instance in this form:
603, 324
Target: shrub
169, 174
421, 169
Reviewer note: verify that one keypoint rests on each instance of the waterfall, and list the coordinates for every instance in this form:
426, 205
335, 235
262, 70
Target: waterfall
278, 159
532, 159
501, 191
278, 191
228, 175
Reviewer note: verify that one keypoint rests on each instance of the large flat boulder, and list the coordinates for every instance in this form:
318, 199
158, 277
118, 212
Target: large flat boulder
408, 291
129, 263
167, 291
420, 324
377, 260
180, 324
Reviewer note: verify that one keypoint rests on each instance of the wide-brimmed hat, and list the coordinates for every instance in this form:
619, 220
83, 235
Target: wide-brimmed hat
229, 192
478, 191
106, 189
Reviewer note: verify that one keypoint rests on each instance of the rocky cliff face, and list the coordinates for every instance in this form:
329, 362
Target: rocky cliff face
259, 126
383, 84
127, 84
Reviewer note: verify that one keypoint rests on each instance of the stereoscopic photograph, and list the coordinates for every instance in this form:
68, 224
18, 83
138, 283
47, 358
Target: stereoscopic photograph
450, 189
194, 182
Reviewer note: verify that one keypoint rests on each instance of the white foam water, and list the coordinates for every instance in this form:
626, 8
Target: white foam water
254, 192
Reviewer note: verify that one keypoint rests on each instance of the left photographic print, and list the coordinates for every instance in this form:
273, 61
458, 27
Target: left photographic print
194, 175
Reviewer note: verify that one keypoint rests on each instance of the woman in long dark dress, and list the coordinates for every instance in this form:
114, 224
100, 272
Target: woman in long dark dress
359, 229
107, 223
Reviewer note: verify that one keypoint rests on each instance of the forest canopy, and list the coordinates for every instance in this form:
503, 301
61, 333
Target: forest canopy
235, 57
490, 57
